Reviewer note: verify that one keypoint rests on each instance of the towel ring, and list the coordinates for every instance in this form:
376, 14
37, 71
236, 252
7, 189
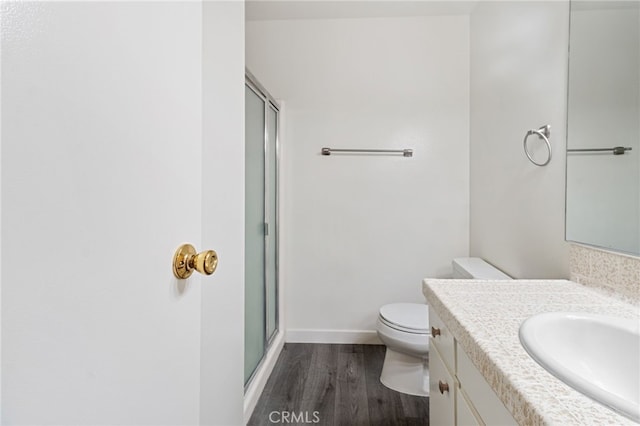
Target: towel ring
543, 132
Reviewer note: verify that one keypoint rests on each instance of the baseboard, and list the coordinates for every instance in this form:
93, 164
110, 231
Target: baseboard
361, 337
253, 392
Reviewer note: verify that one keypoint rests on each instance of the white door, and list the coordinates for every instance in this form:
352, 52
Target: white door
122, 127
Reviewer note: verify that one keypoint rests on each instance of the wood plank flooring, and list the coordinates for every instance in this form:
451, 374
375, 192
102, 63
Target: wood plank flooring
334, 385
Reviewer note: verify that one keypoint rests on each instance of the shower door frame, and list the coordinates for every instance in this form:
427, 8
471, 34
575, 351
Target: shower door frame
269, 102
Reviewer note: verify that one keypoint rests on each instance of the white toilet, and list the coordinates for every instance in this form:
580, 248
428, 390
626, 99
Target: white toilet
404, 329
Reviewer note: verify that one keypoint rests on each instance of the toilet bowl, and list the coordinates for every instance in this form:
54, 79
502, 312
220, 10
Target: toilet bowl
404, 329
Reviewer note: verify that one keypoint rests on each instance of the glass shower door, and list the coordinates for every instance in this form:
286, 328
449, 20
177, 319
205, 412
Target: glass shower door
261, 225
254, 335
272, 225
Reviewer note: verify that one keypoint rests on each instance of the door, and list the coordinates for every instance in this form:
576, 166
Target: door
261, 225
271, 218
255, 231
118, 145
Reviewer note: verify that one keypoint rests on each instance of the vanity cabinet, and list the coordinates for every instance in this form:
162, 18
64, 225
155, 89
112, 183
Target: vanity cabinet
458, 394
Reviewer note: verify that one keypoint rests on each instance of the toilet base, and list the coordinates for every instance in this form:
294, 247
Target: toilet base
406, 374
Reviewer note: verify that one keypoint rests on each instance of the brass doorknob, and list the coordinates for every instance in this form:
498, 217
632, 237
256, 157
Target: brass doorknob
186, 260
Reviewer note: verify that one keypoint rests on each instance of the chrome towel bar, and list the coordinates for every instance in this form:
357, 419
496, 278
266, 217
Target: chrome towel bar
616, 150
404, 152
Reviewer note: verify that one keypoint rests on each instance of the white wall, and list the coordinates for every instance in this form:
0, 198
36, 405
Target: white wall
603, 207
364, 229
103, 164
518, 82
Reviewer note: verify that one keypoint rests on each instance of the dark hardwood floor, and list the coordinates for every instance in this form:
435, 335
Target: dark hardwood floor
334, 385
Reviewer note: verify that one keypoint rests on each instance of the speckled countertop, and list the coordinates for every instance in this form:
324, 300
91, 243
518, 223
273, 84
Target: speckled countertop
484, 317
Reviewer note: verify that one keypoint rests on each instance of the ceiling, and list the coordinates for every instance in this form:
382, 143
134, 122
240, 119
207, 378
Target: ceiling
256, 10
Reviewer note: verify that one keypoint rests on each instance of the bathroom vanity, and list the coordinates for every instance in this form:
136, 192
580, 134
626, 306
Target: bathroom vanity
459, 395
479, 371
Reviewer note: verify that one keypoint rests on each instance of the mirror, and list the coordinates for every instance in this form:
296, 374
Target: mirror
603, 185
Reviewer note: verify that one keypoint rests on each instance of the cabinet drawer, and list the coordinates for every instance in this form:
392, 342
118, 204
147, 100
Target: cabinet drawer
442, 340
485, 401
441, 404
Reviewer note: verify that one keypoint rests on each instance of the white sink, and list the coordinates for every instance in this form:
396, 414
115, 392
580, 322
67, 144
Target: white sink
597, 355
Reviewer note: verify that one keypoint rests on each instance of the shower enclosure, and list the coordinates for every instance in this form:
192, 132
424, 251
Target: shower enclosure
261, 224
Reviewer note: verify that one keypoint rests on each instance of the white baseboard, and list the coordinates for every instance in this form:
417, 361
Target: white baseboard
253, 392
361, 337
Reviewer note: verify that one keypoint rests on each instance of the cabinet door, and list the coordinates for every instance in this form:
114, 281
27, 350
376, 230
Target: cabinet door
464, 413
487, 404
441, 404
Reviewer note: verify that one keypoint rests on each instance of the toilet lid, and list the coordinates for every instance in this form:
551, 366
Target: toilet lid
411, 316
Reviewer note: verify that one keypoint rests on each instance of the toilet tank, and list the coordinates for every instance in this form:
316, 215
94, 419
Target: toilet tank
476, 268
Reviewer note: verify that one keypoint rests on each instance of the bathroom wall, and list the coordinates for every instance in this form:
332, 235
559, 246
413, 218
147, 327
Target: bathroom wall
363, 230
518, 82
